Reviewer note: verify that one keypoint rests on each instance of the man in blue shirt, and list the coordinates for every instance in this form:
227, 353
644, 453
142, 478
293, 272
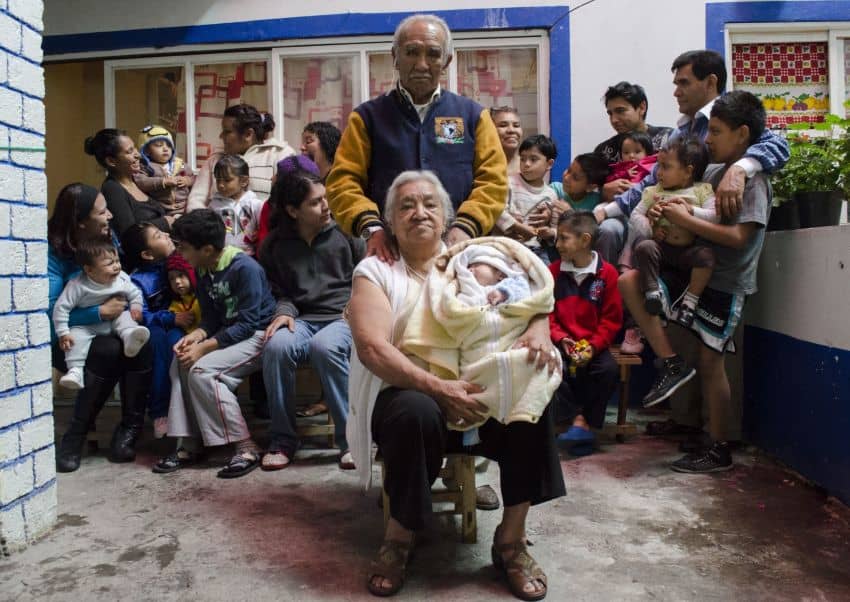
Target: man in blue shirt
699, 78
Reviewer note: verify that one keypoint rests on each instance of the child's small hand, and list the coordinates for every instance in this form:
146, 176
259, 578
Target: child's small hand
659, 234
567, 345
184, 319
496, 296
584, 356
599, 214
675, 210
181, 181
521, 232
653, 214
66, 341
136, 314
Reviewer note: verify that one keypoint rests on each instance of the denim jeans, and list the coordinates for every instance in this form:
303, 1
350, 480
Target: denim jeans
327, 346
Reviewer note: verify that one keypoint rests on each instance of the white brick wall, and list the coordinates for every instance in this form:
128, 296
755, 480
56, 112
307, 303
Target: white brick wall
36, 187
29, 293
10, 33
29, 222
27, 464
37, 258
11, 184
25, 76
28, 11
38, 328
34, 114
16, 480
12, 523
14, 257
9, 444
31, 44
36, 434
14, 408
33, 158
5, 292
7, 381
5, 220
13, 331
40, 510
32, 366
42, 399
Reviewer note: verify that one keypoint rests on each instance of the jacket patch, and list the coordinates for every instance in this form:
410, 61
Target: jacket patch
596, 290
448, 130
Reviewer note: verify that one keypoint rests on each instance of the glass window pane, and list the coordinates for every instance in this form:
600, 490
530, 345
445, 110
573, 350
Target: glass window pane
317, 89
152, 96
846, 55
501, 76
790, 78
218, 87
382, 74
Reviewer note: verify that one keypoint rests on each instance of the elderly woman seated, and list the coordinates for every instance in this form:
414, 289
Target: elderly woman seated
405, 409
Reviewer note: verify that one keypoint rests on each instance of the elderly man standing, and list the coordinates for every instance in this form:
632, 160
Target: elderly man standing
418, 125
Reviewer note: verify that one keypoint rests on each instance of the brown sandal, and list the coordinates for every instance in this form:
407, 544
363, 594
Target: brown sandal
390, 563
519, 569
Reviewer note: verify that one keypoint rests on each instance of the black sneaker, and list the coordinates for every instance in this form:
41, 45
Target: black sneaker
685, 316
717, 458
653, 304
672, 374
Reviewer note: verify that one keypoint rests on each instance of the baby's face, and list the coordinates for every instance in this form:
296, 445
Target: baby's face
632, 151
485, 274
159, 151
180, 283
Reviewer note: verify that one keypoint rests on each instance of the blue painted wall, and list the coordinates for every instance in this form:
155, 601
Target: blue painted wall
797, 405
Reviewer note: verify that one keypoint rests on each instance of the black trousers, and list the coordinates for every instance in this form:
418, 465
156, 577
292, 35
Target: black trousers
410, 430
588, 392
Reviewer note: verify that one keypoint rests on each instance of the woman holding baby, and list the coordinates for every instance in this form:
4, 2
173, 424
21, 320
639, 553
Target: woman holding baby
406, 410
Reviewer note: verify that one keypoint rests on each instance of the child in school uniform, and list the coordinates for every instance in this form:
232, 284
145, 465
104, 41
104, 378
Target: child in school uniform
588, 314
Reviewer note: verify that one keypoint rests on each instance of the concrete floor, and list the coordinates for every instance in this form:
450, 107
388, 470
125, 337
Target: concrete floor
629, 529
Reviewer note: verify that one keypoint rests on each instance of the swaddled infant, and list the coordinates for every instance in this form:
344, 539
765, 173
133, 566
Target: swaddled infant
494, 280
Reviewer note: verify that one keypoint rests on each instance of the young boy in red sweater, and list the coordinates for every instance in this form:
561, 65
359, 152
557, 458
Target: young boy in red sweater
588, 314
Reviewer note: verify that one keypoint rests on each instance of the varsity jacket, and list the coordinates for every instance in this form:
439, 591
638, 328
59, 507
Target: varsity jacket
384, 137
235, 298
592, 310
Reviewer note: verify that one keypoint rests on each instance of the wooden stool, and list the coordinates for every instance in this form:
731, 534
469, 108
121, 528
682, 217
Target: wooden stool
459, 471
625, 361
309, 382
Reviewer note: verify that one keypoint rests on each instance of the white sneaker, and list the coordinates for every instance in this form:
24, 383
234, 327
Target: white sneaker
134, 339
73, 379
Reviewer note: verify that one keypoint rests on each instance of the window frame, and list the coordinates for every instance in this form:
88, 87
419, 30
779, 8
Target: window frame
833, 33
358, 46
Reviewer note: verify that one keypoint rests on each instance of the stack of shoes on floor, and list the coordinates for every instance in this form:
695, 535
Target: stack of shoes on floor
577, 441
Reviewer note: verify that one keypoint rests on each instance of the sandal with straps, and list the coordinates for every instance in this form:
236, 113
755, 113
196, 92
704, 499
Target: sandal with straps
390, 563
519, 569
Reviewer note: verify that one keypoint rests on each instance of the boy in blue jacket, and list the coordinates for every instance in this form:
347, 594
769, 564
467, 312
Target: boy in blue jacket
236, 307
146, 248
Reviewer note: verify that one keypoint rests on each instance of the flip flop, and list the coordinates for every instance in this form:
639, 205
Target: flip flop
273, 460
239, 465
314, 409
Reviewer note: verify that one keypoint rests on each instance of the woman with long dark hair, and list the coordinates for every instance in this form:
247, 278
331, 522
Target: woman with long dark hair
80, 215
309, 263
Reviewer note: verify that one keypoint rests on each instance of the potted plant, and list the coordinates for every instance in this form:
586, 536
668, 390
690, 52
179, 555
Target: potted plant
816, 179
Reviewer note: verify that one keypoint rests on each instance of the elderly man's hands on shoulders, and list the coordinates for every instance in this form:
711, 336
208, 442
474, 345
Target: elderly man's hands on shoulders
380, 245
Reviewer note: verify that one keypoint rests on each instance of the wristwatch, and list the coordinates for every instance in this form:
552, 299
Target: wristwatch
367, 232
